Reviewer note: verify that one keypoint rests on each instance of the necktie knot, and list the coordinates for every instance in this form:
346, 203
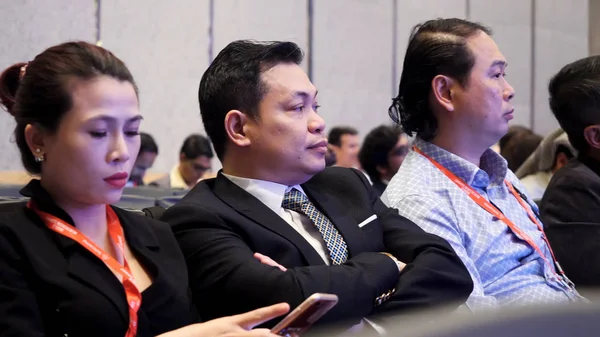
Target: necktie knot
294, 200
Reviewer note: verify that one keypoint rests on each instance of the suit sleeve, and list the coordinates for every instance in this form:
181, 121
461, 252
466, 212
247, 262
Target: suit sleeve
571, 199
19, 313
226, 279
434, 273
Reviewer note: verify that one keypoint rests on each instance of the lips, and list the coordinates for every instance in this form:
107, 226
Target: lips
118, 180
320, 144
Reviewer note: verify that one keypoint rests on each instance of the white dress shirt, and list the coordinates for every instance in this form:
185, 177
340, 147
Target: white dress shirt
271, 194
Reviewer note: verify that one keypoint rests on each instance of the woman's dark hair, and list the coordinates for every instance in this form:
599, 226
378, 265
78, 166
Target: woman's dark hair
436, 47
38, 93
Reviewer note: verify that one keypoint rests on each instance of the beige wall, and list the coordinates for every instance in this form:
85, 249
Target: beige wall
357, 48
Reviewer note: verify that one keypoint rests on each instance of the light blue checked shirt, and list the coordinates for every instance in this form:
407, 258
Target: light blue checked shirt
504, 268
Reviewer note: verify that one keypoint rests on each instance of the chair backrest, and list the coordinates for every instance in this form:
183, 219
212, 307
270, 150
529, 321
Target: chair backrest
11, 191
150, 191
12, 204
167, 202
135, 202
559, 320
154, 212
577, 247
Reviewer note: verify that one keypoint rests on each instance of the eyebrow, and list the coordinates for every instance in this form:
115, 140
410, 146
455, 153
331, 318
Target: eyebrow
303, 94
106, 118
499, 63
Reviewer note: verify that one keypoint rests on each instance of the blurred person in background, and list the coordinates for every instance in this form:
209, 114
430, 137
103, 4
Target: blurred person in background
344, 142
194, 162
517, 145
552, 154
144, 161
382, 153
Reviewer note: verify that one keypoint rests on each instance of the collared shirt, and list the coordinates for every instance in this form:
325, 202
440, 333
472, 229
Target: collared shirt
271, 194
505, 269
176, 180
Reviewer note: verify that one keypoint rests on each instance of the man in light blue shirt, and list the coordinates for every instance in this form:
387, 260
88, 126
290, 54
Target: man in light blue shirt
453, 94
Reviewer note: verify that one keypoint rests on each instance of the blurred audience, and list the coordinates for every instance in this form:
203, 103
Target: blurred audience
276, 225
145, 159
551, 155
71, 264
194, 162
517, 145
454, 95
573, 195
344, 142
382, 153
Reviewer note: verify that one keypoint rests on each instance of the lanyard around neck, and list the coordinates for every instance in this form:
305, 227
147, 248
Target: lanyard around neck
115, 231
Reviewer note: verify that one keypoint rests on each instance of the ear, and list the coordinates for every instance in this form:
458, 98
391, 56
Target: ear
561, 160
236, 127
35, 136
442, 91
592, 136
182, 157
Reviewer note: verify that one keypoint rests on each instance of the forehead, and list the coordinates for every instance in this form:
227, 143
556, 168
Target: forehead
103, 95
284, 79
485, 50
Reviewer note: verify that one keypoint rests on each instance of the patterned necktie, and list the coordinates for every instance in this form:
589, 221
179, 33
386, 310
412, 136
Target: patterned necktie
296, 201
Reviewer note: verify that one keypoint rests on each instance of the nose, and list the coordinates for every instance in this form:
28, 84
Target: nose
119, 151
316, 124
509, 92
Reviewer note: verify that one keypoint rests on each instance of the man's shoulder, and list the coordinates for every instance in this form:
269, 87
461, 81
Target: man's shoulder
335, 175
417, 178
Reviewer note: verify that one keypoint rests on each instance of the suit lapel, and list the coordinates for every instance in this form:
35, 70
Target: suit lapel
252, 208
81, 267
336, 211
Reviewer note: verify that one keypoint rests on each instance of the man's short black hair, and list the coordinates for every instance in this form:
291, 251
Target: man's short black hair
233, 82
195, 146
376, 148
575, 98
336, 133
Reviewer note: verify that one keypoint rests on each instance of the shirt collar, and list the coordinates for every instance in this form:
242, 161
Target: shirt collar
493, 168
269, 193
176, 180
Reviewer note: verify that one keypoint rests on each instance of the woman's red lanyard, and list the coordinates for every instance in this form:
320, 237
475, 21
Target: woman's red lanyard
486, 205
115, 231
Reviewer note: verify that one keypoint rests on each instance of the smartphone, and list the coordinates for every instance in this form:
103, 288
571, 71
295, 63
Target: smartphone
305, 315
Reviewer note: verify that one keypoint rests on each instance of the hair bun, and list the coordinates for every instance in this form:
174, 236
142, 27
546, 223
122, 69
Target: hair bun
9, 83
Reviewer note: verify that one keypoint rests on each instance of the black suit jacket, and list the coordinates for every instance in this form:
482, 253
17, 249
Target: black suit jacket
52, 286
379, 187
219, 227
573, 194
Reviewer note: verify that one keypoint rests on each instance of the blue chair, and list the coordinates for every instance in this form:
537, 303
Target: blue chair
152, 192
167, 202
135, 202
11, 191
11, 204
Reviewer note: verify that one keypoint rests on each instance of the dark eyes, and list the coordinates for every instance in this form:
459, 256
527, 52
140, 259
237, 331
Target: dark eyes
102, 134
302, 107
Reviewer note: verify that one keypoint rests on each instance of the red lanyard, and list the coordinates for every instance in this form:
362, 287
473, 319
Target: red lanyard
115, 231
486, 205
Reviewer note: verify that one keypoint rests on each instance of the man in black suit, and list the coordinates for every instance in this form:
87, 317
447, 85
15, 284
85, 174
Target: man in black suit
573, 194
275, 225
570, 207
